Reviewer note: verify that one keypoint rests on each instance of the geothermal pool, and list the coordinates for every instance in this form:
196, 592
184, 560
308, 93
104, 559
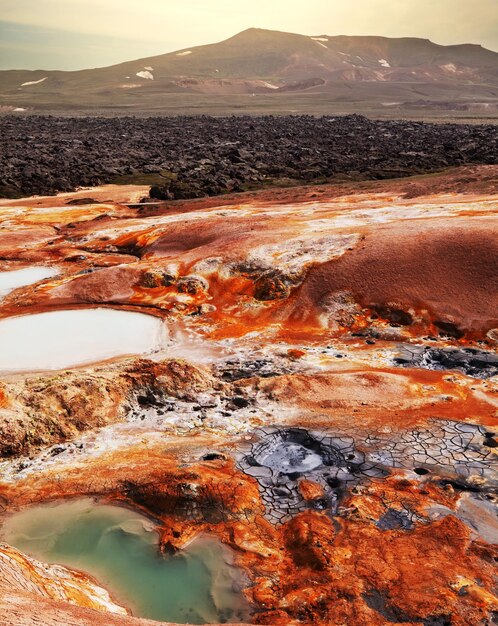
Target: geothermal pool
25, 276
60, 339
119, 548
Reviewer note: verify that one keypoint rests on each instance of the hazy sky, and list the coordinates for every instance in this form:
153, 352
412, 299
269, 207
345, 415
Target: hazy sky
73, 34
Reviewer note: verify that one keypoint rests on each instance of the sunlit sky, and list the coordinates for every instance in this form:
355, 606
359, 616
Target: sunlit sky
75, 34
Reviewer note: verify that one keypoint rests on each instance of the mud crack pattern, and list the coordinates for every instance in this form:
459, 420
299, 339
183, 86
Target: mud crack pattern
279, 458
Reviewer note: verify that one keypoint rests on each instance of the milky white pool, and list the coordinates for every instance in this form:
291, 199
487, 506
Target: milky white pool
25, 276
61, 339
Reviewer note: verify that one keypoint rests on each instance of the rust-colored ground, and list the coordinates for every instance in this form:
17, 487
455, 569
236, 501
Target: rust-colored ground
287, 309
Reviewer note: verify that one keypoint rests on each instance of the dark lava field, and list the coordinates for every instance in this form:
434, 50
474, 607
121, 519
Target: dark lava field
189, 157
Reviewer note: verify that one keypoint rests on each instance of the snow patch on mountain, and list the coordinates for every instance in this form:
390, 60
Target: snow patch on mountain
34, 82
145, 74
183, 54
384, 63
450, 67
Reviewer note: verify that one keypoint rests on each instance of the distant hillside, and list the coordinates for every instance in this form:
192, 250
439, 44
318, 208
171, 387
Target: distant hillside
275, 68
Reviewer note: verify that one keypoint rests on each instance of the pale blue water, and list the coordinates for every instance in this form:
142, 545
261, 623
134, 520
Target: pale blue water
120, 549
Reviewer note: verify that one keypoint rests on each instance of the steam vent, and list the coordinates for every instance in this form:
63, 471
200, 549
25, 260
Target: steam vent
275, 407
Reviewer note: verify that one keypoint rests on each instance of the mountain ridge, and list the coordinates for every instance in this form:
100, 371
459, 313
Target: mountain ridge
258, 62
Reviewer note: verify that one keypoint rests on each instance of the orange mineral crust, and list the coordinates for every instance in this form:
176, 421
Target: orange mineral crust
319, 265
381, 398
313, 569
320, 392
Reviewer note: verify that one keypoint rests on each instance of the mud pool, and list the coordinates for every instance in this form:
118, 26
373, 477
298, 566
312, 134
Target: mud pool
119, 548
60, 339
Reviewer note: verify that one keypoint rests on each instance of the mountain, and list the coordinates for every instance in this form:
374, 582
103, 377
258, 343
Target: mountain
276, 69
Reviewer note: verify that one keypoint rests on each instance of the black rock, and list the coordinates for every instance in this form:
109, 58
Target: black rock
208, 156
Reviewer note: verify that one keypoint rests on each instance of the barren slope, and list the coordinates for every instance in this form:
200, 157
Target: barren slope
374, 70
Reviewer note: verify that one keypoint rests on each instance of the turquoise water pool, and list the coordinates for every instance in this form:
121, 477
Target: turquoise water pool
119, 548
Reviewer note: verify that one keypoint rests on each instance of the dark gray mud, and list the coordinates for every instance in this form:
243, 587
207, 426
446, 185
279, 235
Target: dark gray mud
470, 361
448, 452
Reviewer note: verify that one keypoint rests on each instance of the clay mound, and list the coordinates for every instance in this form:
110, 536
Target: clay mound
447, 267
210, 236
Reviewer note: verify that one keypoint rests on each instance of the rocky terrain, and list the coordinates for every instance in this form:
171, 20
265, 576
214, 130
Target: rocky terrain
189, 157
271, 71
325, 401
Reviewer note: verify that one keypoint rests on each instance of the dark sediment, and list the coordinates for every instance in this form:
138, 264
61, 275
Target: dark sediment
470, 361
